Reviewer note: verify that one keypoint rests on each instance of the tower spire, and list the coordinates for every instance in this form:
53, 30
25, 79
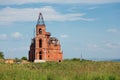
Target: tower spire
40, 19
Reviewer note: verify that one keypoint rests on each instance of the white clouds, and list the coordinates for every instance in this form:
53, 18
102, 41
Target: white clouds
113, 30
93, 47
102, 47
11, 15
3, 36
80, 1
17, 35
92, 8
19, 49
64, 36
19, 2
112, 45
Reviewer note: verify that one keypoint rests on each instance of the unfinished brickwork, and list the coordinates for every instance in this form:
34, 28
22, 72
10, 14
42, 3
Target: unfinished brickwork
44, 47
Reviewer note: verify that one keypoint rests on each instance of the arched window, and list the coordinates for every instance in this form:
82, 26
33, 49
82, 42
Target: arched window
40, 55
40, 43
40, 31
59, 60
40, 52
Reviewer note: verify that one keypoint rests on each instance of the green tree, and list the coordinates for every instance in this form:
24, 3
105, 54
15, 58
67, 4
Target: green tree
1, 55
17, 60
24, 58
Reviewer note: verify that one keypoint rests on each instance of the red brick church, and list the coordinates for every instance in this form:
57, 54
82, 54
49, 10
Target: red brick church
44, 47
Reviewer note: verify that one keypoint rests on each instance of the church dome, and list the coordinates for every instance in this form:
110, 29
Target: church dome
54, 40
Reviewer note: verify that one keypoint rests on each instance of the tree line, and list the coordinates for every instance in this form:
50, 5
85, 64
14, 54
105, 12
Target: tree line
2, 57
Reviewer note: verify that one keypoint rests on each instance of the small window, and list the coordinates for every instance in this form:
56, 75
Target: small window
40, 31
40, 43
40, 52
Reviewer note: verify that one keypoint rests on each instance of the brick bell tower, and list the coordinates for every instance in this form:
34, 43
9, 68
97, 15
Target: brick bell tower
40, 49
43, 47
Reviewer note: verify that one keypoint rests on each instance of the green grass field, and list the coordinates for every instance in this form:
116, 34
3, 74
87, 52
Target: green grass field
66, 70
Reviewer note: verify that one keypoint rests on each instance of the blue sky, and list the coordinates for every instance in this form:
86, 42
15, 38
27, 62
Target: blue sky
89, 27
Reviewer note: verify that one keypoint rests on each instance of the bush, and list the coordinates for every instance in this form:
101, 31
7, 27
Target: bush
112, 77
2, 61
1, 55
24, 58
17, 60
75, 59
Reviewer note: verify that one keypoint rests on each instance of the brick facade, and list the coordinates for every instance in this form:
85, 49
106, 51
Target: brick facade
44, 47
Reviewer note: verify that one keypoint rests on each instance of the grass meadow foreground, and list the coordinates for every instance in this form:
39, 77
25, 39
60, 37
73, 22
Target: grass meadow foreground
66, 70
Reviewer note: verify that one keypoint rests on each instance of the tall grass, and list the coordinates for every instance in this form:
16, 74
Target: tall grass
66, 70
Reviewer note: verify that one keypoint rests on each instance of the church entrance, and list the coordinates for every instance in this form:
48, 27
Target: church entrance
40, 55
